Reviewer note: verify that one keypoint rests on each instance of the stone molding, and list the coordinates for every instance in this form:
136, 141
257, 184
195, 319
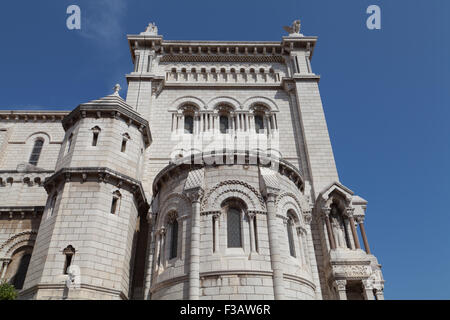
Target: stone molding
112, 107
99, 174
55, 286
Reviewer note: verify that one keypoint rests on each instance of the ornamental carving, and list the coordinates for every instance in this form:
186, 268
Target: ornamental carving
207, 197
352, 271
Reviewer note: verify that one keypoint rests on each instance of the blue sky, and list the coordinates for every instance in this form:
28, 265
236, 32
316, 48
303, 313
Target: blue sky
386, 97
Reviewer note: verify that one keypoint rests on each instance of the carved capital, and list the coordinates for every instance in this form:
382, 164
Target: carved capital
307, 217
349, 212
368, 284
195, 195
162, 231
301, 231
359, 219
340, 284
326, 212
251, 214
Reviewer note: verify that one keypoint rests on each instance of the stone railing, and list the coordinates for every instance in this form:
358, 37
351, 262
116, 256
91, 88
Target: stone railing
223, 77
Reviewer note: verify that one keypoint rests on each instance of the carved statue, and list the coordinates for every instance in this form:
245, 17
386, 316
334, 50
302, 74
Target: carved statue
337, 225
294, 29
151, 29
117, 88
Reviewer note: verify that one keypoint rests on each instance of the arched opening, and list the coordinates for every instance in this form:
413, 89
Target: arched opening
234, 209
18, 267
259, 123
234, 227
69, 143
36, 152
51, 208
115, 202
289, 226
95, 133
188, 124
173, 227
125, 138
69, 252
224, 123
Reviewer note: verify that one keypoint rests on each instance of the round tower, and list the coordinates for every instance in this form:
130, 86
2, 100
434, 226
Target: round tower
85, 244
231, 226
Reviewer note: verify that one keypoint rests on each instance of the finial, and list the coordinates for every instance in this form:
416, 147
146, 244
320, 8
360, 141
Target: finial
116, 90
151, 29
294, 30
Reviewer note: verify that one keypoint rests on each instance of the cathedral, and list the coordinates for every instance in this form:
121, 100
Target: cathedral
212, 177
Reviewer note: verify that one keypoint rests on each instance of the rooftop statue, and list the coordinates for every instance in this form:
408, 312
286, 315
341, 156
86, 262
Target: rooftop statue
294, 29
151, 29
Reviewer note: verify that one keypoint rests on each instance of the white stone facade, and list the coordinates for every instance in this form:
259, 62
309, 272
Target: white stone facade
214, 179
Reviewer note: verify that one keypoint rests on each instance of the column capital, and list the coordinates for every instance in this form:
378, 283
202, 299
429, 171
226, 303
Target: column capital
272, 194
326, 211
359, 219
307, 216
301, 230
340, 284
162, 231
349, 212
367, 283
251, 214
195, 195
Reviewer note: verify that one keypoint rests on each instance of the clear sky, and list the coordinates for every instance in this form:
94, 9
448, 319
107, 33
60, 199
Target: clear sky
385, 92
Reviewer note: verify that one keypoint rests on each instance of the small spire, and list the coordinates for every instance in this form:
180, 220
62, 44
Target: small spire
116, 90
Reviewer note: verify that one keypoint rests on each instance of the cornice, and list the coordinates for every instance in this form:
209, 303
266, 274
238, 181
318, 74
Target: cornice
99, 174
109, 108
31, 116
230, 49
206, 160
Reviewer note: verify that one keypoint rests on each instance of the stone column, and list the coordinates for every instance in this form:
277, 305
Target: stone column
149, 261
379, 294
340, 286
162, 237
300, 232
194, 264
355, 234
329, 230
275, 254
363, 234
368, 289
216, 218
251, 217
5, 267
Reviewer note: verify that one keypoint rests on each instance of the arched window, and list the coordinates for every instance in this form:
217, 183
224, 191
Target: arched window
21, 261
69, 143
115, 202
36, 152
125, 139
173, 239
234, 228
69, 252
51, 208
95, 133
224, 125
259, 123
188, 124
289, 226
